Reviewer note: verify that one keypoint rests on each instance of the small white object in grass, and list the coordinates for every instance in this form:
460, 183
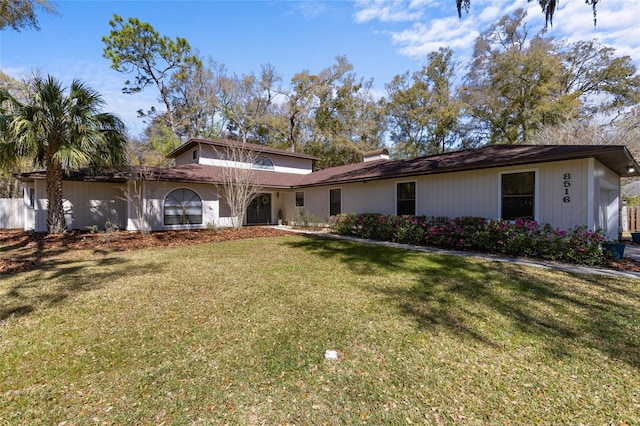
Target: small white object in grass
331, 355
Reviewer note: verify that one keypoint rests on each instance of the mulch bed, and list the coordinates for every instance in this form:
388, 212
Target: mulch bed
116, 241
122, 241
624, 265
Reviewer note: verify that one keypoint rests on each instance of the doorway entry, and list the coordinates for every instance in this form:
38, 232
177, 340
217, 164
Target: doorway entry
259, 210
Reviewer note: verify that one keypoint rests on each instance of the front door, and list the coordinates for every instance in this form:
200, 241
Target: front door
259, 210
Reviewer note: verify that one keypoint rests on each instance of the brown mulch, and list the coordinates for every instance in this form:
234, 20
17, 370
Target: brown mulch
123, 241
624, 265
17, 240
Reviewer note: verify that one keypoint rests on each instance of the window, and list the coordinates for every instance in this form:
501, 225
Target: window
263, 163
182, 207
335, 202
299, 199
32, 197
195, 154
406, 198
518, 190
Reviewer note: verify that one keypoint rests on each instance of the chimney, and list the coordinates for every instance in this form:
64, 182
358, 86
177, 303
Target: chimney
378, 154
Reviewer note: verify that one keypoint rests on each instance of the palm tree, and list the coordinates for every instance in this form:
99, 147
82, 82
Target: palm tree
59, 132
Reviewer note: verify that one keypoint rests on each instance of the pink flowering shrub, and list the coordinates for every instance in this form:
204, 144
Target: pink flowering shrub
517, 238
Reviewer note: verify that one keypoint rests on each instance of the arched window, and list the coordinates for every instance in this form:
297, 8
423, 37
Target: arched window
182, 207
263, 163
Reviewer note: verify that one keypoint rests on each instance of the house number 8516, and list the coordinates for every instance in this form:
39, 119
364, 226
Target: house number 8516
566, 185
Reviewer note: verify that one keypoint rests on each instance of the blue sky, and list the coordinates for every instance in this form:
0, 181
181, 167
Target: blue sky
380, 38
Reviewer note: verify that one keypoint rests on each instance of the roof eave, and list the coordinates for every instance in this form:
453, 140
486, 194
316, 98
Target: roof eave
195, 141
597, 154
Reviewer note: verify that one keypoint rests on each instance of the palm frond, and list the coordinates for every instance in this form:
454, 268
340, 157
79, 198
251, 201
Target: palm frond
60, 126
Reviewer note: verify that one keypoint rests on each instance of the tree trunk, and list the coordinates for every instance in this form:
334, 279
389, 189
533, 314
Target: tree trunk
55, 214
167, 104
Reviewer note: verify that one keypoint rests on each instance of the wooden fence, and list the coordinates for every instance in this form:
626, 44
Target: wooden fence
633, 218
11, 213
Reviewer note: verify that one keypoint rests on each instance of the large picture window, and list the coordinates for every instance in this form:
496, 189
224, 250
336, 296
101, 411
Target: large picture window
335, 202
182, 207
518, 195
406, 198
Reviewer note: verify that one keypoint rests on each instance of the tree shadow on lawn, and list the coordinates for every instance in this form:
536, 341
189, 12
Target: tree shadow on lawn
465, 296
27, 251
56, 279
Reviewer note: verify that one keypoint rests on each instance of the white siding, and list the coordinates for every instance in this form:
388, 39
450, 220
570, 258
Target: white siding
29, 199
187, 157
88, 204
291, 164
40, 206
85, 204
208, 155
555, 208
285, 201
316, 201
470, 193
11, 213
156, 192
607, 201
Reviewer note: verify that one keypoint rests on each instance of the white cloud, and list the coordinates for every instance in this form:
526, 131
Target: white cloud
387, 11
418, 41
429, 24
617, 25
310, 10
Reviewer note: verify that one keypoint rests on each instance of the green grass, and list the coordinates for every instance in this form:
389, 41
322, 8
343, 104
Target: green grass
235, 333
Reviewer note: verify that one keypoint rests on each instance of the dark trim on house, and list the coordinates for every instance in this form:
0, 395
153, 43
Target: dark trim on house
237, 144
615, 157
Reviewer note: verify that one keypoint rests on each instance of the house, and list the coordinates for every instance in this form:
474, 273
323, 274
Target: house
563, 185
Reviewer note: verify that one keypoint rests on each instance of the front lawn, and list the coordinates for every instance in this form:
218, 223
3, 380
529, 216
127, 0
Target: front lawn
236, 333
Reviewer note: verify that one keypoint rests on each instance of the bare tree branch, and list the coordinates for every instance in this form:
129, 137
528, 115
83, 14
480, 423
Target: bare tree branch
238, 184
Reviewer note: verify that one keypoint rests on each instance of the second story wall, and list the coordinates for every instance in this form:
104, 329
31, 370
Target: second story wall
217, 156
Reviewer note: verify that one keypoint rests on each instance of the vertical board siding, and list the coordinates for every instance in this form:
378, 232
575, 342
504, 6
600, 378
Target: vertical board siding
468, 193
84, 205
11, 213
555, 209
316, 202
286, 202
40, 205
94, 204
607, 193
370, 197
471, 193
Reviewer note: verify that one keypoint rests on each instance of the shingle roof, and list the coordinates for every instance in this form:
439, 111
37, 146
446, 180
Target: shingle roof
76, 175
200, 173
229, 143
615, 157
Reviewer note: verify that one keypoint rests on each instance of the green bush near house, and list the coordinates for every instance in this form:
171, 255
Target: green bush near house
631, 200
305, 220
517, 238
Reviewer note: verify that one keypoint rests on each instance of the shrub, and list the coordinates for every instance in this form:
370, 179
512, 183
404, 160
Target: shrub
111, 227
92, 229
517, 238
212, 227
304, 220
